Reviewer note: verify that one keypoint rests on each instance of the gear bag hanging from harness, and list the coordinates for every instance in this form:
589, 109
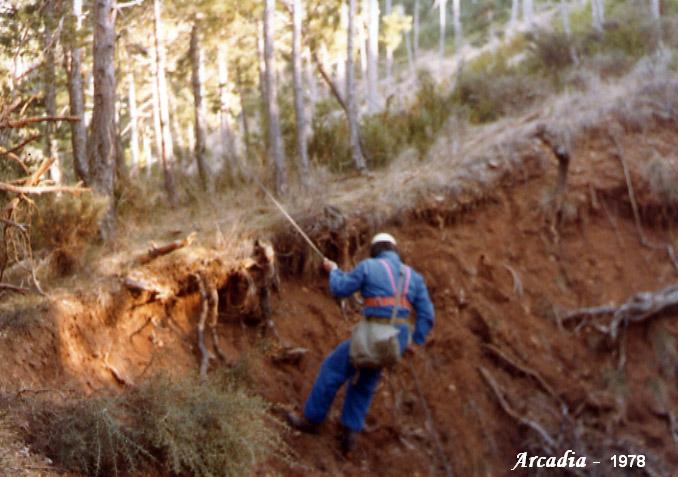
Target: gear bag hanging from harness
375, 344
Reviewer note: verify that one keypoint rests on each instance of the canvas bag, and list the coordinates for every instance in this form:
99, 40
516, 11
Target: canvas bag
376, 345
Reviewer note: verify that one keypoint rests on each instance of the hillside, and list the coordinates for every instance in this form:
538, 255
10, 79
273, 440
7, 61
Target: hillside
506, 369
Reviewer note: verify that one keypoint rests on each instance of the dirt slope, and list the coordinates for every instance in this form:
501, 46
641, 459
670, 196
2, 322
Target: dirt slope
501, 276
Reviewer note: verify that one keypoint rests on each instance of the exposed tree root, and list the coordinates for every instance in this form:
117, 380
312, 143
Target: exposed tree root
500, 395
204, 310
619, 152
639, 307
502, 356
156, 251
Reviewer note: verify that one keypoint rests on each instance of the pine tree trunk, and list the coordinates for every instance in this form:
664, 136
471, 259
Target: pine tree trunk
565, 15
388, 8
442, 4
302, 151
515, 12
77, 102
415, 30
243, 112
353, 131
597, 15
167, 148
133, 121
197, 75
408, 49
362, 46
101, 151
655, 10
528, 11
157, 129
456, 19
49, 131
226, 137
276, 152
372, 55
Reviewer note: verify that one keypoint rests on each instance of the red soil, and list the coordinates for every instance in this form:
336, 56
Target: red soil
468, 260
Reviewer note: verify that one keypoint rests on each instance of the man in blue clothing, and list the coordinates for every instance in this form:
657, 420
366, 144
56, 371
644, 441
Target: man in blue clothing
378, 279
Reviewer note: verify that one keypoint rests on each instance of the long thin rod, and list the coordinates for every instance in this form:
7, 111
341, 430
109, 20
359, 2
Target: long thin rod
291, 220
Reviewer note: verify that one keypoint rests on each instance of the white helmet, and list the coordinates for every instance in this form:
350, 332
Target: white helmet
383, 237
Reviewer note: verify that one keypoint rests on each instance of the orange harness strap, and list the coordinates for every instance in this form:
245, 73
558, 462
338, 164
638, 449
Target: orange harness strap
387, 301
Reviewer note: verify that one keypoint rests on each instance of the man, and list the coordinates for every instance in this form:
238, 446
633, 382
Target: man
377, 279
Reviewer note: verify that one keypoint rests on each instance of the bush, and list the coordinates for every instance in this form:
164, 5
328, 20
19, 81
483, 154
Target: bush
180, 427
485, 98
66, 221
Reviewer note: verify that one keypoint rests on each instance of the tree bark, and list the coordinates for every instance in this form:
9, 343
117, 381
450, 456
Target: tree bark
415, 30
372, 54
197, 75
102, 148
655, 9
166, 146
565, 14
597, 15
299, 112
515, 11
353, 131
388, 9
77, 102
243, 112
133, 121
442, 5
226, 137
157, 129
51, 147
528, 12
275, 146
456, 21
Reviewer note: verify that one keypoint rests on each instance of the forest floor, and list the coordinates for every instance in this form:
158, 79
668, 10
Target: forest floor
477, 219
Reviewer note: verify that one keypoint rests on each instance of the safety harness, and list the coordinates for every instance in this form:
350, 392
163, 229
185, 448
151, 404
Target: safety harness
392, 300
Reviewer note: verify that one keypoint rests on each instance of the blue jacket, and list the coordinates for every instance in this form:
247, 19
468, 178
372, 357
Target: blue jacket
370, 277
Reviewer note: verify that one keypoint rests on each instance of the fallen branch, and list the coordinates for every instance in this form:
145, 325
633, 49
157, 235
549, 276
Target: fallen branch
36, 119
14, 288
42, 189
535, 426
157, 251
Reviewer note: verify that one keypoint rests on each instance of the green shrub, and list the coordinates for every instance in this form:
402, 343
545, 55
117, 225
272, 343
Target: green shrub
66, 221
180, 427
487, 98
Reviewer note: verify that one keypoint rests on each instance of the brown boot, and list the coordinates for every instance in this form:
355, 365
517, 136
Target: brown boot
302, 424
347, 439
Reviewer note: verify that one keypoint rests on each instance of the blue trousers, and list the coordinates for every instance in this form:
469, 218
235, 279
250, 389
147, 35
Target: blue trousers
334, 372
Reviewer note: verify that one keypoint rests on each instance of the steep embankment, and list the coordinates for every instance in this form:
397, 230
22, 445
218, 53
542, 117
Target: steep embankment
503, 269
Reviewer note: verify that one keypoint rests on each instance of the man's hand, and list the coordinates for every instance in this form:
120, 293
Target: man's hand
329, 265
410, 351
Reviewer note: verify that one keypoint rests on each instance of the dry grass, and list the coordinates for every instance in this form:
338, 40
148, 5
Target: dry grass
176, 426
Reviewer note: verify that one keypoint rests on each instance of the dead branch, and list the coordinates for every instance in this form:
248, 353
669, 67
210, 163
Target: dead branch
36, 119
592, 311
535, 426
157, 251
77, 189
14, 288
19, 146
337, 95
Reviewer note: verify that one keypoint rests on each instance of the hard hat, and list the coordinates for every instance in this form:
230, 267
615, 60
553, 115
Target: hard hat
383, 237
